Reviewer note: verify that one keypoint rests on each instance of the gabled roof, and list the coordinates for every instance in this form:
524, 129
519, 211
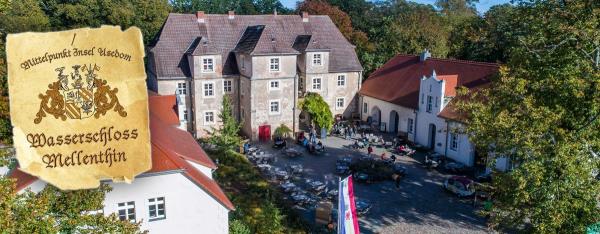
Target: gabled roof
167, 155
223, 34
398, 80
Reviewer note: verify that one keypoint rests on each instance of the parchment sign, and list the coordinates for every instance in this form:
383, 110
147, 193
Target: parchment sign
79, 105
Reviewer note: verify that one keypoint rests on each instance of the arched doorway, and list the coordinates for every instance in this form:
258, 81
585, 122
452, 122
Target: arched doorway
394, 119
432, 131
376, 115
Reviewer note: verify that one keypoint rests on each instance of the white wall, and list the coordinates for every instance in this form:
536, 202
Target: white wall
434, 88
404, 114
188, 208
465, 152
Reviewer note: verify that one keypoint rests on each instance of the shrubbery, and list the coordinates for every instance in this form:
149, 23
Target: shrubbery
259, 207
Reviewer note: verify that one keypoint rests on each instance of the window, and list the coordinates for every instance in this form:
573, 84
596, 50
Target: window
410, 126
208, 65
209, 117
126, 211
156, 208
429, 103
181, 88
242, 62
341, 80
339, 103
422, 98
316, 83
208, 88
274, 64
185, 115
227, 84
274, 107
243, 114
437, 99
453, 141
274, 85
365, 107
317, 59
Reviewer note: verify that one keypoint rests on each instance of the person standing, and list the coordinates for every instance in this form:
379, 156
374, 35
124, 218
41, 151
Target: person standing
369, 150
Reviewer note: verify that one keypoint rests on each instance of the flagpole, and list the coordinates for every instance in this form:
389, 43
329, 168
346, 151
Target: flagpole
339, 205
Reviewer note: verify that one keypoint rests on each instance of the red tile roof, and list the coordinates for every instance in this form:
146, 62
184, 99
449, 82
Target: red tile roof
450, 111
171, 147
451, 83
398, 80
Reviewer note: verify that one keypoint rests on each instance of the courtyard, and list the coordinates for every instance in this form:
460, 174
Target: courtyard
420, 205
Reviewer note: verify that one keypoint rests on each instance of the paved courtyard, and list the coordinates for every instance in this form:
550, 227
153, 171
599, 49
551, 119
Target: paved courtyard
420, 205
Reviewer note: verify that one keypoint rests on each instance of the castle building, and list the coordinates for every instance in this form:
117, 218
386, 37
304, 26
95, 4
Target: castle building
264, 63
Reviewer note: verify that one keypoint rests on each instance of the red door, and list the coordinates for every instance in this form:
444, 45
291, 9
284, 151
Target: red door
264, 132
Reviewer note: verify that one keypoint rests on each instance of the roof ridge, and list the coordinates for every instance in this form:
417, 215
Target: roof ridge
451, 60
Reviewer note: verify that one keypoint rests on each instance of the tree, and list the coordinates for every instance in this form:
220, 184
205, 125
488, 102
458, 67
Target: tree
56, 211
486, 39
227, 136
318, 110
282, 131
238, 227
542, 112
148, 15
245, 7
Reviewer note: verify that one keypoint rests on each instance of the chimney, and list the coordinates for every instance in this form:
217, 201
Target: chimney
425, 55
231, 15
304, 16
200, 16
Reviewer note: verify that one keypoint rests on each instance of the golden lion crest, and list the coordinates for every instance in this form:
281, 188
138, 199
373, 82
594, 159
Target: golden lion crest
73, 97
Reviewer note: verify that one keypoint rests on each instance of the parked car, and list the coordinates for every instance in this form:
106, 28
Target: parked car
362, 206
460, 185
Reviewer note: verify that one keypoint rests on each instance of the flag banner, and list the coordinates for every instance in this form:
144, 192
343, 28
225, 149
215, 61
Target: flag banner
347, 219
79, 105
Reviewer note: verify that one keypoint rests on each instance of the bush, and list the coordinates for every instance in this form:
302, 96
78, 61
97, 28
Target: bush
259, 207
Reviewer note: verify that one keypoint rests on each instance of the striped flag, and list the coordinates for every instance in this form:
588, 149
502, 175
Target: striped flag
347, 220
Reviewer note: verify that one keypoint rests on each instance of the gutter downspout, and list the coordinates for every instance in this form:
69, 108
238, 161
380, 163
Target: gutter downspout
295, 105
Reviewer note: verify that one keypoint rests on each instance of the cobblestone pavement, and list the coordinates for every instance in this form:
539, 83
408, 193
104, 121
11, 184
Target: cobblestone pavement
420, 205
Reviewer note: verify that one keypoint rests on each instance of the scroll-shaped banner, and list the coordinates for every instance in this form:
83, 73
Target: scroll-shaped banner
79, 105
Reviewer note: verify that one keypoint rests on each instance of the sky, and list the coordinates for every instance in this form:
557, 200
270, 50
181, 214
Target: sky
482, 6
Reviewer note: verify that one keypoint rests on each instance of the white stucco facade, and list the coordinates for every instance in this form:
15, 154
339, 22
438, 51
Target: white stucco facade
372, 107
444, 136
187, 207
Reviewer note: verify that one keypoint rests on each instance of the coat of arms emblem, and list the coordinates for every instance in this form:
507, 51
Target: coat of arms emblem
79, 94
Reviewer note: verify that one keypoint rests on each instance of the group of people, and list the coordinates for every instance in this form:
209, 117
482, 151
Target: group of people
347, 132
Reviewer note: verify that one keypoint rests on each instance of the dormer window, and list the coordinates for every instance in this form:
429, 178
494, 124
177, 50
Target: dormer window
208, 64
317, 60
274, 64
